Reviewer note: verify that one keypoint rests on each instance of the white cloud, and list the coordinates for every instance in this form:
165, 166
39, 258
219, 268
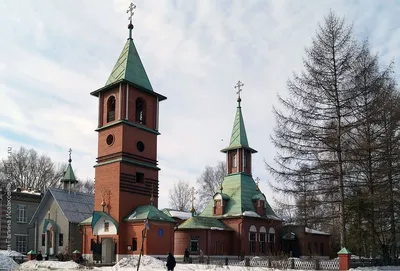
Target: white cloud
56, 53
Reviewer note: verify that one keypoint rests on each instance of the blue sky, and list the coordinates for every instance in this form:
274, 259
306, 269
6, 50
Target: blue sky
54, 53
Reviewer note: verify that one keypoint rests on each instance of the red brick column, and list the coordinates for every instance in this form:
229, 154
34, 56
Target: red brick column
344, 259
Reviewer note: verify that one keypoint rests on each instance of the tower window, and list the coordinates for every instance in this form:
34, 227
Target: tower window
244, 159
139, 177
106, 226
140, 111
234, 160
111, 109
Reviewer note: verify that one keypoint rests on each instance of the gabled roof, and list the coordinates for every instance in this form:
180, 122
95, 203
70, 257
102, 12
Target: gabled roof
239, 136
75, 206
130, 67
241, 189
201, 222
149, 212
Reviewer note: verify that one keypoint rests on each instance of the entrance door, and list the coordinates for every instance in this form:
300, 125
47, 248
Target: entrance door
107, 250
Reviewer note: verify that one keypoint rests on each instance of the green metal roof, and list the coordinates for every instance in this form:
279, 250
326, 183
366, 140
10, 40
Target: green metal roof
99, 214
239, 136
148, 212
69, 175
130, 67
201, 222
87, 221
344, 251
241, 188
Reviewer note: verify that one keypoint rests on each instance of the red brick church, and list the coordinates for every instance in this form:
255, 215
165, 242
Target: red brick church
238, 218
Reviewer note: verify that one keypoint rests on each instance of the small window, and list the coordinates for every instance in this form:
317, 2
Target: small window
222, 248
134, 244
194, 246
139, 177
160, 232
61, 239
140, 111
215, 247
92, 244
22, 216
234, 160
106, 226
321, 249
43, 239
111, 109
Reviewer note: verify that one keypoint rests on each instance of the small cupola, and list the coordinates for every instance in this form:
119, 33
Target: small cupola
220, 201
69, 181
259, 200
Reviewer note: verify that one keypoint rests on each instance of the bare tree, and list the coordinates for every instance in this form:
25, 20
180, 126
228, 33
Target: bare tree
209, 183
86, 186
179, 196
28, 169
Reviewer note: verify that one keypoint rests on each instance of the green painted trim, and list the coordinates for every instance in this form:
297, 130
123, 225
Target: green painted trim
128, 123
128, 161
344, 251
235, 147
97, 92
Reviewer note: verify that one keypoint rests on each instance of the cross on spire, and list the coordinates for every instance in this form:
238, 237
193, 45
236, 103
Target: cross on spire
132, 6
192, 193
257, 182
70, 151
239, 86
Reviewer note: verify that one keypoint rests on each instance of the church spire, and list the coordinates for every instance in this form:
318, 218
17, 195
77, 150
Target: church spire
69, 176
239, 136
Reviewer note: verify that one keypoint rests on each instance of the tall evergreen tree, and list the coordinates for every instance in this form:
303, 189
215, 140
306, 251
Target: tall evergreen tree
311, 129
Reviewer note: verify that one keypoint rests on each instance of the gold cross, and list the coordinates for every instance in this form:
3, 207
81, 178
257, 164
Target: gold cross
239, 86
257, 181
132, 6
70, 151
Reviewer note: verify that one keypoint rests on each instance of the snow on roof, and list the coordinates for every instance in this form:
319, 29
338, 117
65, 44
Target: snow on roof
180, 214
308, 230
250, 213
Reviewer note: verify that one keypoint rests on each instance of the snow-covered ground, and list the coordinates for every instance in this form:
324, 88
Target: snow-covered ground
146, 263
12, 253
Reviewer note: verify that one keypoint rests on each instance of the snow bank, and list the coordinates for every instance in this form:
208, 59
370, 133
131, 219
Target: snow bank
12, 253
49, 265
7, 263
180, 214
250, 213
145, 261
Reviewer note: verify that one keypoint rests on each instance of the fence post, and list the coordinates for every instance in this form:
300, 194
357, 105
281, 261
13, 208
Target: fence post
226, 260
269, 262
247, 262
317, 267
291, 263
344, 259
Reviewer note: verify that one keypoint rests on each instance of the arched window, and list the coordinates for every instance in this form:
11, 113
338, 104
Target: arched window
271, 239
321, 249
111, 109
252, 239
140, 115
263, 235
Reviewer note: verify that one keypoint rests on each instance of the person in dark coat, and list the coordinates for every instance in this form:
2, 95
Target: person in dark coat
39, 256
186, 256
171, 263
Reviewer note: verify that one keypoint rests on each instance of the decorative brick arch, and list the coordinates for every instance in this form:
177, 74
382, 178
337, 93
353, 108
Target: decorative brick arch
111, 105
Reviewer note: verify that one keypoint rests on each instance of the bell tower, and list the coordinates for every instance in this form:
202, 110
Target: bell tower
238, 153
128, 114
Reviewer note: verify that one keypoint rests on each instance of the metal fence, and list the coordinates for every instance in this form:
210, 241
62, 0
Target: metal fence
291, 263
